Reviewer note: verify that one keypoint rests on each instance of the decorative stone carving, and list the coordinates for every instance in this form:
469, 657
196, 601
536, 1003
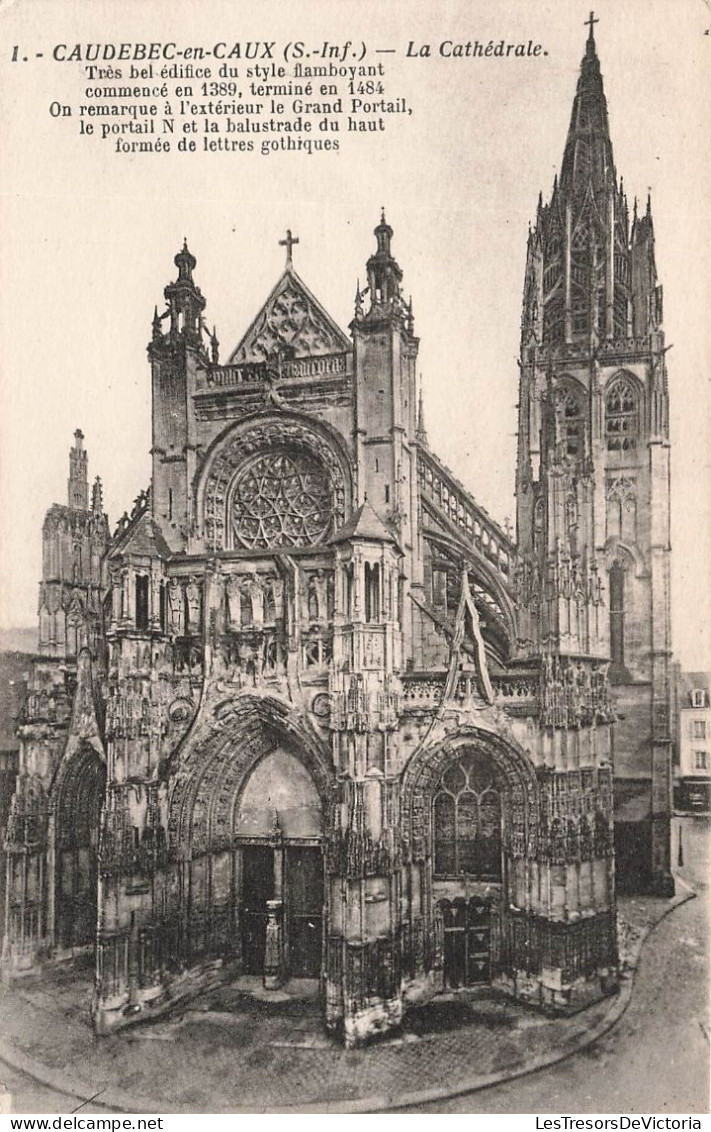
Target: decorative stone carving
176, 607
291, 320
193, 598
291, 493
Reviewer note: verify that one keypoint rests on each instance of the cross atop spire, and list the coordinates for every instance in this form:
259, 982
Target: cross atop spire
288, 243
589, 23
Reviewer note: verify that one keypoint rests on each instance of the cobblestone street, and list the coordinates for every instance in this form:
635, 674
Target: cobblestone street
656, 1059
237, 1046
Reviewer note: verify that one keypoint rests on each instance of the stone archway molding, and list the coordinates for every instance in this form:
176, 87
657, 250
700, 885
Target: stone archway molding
257, 434
426, 766
216, 760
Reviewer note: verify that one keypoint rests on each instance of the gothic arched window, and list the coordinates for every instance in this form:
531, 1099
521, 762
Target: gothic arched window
466, 817
617, 615
282, 497
571, 428
372, 592
554, 263
621, 416
553, 318
580, 282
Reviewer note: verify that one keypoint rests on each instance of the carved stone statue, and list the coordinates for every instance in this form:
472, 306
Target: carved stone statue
194, 603
176, 607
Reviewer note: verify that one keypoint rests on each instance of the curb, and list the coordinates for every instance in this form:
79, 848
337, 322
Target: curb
63, 1083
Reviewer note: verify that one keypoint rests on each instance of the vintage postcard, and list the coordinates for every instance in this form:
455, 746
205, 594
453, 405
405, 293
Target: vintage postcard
355, 729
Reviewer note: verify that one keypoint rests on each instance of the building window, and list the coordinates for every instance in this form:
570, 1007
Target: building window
698, 697
699, 729
617, 615
281, 498
621, 416
701, 760
163, 610
570, 424
142, 583
372, 592
466, 816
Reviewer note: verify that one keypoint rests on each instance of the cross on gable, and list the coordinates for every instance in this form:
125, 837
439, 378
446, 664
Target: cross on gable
288, 243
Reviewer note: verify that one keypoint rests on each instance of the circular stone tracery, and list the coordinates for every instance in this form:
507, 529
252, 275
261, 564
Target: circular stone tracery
281, 498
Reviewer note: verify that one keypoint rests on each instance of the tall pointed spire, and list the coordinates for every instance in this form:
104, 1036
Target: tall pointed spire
97, 497
421, 433
578, 272
588, 150
77, 485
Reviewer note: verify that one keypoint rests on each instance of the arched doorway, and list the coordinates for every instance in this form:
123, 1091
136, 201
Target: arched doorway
278, 829
78, 815
248, 793
467, 863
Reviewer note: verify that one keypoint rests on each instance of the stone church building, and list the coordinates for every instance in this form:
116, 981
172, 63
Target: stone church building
309, 712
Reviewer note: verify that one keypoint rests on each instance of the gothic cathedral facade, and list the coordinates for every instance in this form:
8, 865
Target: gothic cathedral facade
309, 712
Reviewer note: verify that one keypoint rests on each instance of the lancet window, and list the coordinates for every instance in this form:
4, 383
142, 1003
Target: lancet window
571, 428
621, 416
467, 820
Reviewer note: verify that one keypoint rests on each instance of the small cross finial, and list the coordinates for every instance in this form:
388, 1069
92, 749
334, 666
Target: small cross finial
288, 243
589, 23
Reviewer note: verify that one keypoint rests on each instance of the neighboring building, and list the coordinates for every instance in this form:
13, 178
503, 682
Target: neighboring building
693, 773
336, 725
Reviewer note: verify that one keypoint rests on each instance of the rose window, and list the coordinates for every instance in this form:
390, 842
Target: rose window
281, 498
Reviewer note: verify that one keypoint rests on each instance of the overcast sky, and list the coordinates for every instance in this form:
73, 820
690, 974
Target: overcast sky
88, 237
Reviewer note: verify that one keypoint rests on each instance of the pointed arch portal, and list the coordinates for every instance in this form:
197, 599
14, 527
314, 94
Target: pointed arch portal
471, 804
247, 815
78, 815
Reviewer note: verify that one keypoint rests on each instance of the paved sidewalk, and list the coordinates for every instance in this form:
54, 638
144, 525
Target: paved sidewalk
232, 1051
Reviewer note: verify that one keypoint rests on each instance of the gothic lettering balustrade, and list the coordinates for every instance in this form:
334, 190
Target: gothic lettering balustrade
517, 694
255, 374
616, 349
420, 694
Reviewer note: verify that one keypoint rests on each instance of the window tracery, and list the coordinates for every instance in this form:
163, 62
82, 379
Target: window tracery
621, 502
467, 820
621, 416
281, 497
569, 415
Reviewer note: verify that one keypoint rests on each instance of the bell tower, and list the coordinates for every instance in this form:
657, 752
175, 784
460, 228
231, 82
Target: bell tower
176, 352
386, 407
593, 466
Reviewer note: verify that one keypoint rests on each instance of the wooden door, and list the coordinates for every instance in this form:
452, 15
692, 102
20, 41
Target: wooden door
257, 889
303, 892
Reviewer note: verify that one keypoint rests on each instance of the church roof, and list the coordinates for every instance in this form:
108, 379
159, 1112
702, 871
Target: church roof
365, 523
143, 537
293, 321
